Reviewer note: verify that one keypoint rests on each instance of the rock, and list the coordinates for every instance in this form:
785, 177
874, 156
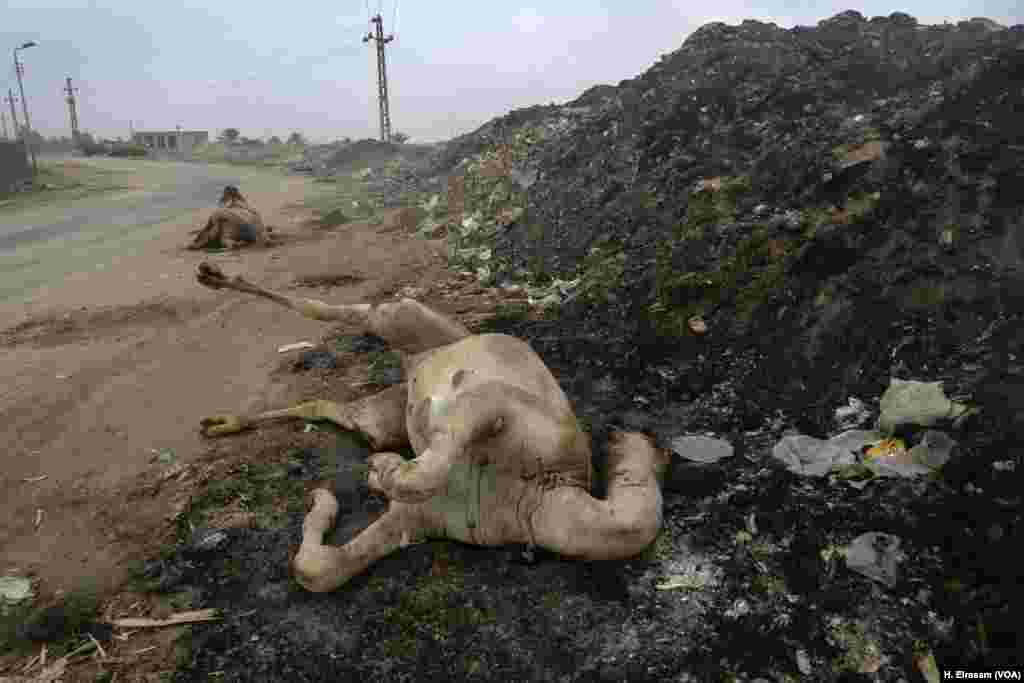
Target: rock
701, 449
876, 556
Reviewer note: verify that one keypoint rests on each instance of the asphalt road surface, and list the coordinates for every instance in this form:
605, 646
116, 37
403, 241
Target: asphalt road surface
44, 241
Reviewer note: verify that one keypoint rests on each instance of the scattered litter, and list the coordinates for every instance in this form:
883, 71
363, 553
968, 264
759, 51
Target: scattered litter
62, 376
144, 650
891, 458
39, 517
318, 359
701, 449
918, 403
190, 617
677, 581
857, 454
32, 480
876, 556
887, 448
811, 457
310, 427
852, 415
934, 449
296, 346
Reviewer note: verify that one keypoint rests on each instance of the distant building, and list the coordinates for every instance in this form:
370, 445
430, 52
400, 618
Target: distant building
171, 141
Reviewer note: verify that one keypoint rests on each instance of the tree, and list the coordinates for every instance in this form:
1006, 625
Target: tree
399, 138
296, 139
230, 135
274, 140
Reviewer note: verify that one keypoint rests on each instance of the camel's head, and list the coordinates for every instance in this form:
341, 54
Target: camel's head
231, 195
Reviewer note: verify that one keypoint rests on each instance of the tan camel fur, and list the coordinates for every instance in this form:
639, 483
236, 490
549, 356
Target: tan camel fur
232, 224
499, 458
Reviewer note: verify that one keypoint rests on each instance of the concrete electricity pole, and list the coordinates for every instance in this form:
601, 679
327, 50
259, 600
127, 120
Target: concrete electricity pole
24, 105
72, 110
3, 120
11, 99
382, 76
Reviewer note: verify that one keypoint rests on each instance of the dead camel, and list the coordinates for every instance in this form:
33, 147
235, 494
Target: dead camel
233, 224
500, 457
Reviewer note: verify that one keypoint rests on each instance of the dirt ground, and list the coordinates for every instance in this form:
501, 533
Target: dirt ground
103, 372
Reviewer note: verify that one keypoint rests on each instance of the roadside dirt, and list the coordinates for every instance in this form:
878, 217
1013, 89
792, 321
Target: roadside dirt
102, 373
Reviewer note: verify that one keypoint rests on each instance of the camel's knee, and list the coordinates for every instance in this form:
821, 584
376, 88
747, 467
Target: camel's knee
321, 568
634, 527
411, 326
314, 568
587, 528
388, 316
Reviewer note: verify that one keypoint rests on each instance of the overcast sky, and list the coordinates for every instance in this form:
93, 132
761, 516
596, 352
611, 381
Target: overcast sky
270, 68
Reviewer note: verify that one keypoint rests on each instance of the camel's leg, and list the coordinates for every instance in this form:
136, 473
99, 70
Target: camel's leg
320, 568
204, 236
407, 324
379, 417
570, 521
473, 418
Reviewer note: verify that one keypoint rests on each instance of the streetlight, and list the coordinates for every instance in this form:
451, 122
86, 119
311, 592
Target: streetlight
24, 103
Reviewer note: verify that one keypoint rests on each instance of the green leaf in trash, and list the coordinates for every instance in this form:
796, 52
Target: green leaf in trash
913, 402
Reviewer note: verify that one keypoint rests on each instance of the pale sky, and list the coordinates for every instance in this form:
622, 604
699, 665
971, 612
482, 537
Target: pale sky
270, 68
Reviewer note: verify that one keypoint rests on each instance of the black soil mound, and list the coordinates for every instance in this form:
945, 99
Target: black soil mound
839, 205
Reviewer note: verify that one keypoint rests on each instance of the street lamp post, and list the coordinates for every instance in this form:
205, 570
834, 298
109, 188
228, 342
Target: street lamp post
24, 104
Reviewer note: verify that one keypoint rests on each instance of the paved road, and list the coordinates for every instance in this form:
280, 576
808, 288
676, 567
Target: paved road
168, 189
44, 242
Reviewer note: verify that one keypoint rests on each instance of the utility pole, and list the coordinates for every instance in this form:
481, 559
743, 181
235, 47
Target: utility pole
3, 120
20, 70
11, 99
382, 76
73, 111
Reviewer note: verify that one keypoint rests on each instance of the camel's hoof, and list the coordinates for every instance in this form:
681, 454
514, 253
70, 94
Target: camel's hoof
220, 425
210, 275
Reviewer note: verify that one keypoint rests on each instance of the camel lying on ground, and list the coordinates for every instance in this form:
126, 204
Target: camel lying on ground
500, 458
232, 224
